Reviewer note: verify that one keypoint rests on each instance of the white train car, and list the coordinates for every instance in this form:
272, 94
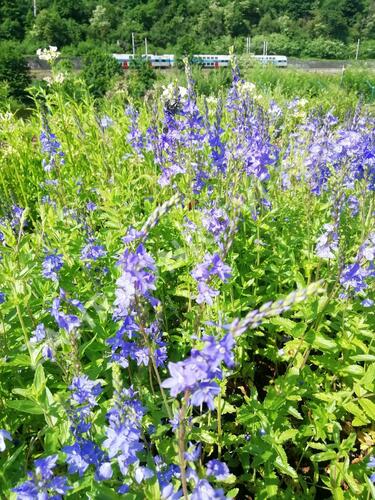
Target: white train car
279, 61
156, 61
211, 60
161, 61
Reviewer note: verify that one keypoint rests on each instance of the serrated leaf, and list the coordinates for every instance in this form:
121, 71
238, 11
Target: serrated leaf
286, 435
317, 446
295, 413
286, 324
359, 421
285, 468
324, 343
368, 407
324, 456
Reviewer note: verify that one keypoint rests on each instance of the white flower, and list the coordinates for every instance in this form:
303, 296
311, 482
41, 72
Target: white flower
172, 91
48, 79
49, 55
6, 117
246, 88
56, 78
59, 77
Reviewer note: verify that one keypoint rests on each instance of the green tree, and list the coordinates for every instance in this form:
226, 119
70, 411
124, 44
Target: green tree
99, 23
332, 17
299, 8
13, 70
13, 19
51, 29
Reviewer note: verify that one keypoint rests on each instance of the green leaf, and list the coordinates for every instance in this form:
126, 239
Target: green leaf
324, 456
363, 357
233, 493
324, 343
104, 493
295, 413
25, 406
360, 417
39, 379
353, 370
285, 468
368, 379
368, 407
286, 435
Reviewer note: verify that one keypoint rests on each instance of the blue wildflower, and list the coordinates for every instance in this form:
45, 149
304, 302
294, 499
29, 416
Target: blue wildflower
84, 390
327, 244
4, 435
42, 483
195, 373
51, 265
217, 469
39, 334
203, 490
92, 252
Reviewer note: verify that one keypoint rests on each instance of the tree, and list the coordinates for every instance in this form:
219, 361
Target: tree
51, 29
299, 8
14, 70
332, 16
99, 23
13, 19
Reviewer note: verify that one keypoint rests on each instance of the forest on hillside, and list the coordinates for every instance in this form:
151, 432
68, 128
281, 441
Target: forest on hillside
322, 28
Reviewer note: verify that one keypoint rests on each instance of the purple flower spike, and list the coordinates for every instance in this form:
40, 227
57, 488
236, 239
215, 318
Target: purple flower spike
84, 390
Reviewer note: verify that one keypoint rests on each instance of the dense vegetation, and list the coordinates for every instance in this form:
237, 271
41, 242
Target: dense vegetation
323, 28
187, 292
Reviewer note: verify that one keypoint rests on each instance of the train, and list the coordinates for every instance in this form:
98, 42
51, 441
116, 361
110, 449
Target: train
209, 61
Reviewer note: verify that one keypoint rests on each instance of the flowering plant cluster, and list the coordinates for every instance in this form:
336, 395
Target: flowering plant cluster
187, 297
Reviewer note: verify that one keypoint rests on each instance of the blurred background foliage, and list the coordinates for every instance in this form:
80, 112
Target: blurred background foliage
321, 28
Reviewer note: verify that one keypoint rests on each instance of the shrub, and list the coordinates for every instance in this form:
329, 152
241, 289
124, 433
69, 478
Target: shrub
99, 69
141, 77
325, 49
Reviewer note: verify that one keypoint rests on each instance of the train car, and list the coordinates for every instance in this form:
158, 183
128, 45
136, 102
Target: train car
279, 61
211, 61
161, 61
156, 61
124, 59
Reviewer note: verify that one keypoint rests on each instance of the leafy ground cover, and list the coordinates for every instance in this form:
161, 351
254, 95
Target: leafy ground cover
187, 297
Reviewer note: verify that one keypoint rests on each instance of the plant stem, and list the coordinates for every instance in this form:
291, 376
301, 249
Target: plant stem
24, 331
181, 444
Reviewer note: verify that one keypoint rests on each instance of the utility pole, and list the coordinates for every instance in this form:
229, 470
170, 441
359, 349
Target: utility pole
248, 45
34, 8
133, 44
146, 47
357, 50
